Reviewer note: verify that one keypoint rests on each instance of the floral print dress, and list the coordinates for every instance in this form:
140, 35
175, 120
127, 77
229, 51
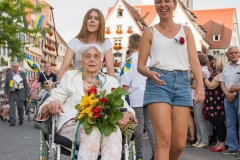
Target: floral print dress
213, 108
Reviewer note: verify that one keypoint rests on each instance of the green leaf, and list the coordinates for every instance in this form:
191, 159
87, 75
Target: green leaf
91, 121
118, 102
86, 125
76, 107
88, 130
118, 115
109, 129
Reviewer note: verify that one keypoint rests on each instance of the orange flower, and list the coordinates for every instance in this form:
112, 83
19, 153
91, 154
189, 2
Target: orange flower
92, 90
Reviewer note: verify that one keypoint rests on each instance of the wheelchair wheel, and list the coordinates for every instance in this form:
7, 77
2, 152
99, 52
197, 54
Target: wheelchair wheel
43, 150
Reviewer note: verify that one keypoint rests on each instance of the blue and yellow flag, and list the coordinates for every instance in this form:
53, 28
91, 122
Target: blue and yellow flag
39, 21
126, 67
32, 64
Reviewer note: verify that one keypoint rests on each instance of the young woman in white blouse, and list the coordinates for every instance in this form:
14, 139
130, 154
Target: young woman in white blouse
167, 96
92, 31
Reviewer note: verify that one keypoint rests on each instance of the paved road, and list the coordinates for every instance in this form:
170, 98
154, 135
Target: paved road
22, 143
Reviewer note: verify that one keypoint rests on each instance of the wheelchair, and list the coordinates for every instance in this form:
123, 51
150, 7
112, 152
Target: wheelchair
53, 145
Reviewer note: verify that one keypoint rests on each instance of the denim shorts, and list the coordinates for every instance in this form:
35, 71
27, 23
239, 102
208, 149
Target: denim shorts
176, 92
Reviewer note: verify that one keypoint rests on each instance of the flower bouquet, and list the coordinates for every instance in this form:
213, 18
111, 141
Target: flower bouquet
101, 110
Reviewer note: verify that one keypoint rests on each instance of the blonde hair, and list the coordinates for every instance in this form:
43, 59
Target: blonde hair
221, 59
134, 40
83, 34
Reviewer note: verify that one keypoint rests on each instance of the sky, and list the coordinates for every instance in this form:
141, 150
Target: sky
68, 14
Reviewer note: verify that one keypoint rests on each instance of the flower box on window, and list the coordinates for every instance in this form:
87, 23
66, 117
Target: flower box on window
129, 31
43, 61
119, 31
117, 64
117, 47
108, 32
53, 64
50, 33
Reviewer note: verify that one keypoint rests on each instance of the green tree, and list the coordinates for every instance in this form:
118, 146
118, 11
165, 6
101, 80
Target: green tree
13, 21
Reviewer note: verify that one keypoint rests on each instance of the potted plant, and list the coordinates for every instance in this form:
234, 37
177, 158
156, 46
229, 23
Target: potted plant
117, 47
119, 31
129, 31
108, 32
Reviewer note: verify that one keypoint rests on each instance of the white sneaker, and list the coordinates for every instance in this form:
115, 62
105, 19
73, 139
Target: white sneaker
196, 144
145, 135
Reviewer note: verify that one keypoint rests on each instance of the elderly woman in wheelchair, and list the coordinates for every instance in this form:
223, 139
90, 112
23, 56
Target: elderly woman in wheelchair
69, 92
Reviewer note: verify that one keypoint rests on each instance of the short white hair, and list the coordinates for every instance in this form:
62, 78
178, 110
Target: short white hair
231, 47
86, 47
14, 63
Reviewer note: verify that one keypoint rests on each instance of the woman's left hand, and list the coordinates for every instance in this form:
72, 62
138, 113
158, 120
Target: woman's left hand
126, 117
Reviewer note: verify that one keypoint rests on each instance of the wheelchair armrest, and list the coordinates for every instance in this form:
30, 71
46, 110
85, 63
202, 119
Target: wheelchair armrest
64, 141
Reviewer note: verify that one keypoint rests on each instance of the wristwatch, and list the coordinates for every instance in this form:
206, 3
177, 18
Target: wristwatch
235, 93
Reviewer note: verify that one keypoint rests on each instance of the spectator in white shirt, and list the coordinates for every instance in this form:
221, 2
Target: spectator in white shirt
47, 90
133, 82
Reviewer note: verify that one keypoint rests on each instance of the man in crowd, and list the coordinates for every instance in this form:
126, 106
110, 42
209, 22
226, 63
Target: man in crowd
16, 89
48, 74
229, 81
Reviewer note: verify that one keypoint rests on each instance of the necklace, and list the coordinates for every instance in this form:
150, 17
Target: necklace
97, 83
166, 29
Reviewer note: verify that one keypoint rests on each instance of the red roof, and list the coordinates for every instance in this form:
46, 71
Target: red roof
217, 21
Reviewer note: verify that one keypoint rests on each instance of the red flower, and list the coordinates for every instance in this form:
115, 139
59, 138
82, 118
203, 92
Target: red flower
181, 40
103, 100
92, 90
96, 115
112, 89
97, 109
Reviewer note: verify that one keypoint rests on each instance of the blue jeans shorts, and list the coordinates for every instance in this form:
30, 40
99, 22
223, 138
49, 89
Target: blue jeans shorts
176, 92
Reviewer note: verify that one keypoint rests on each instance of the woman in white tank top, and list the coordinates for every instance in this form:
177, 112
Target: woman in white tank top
172, 51
92, 31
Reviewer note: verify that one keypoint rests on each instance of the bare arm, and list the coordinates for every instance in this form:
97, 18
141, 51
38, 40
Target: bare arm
195, 65
109, 62
125, 88
66, 62
214, 83
144, 51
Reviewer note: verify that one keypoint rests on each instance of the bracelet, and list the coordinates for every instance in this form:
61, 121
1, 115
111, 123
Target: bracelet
59, 78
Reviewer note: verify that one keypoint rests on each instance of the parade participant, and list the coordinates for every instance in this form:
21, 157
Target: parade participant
229, 84
171, 48
48, 75
67, 95
132, 81
92, 31
213, 108
16, 89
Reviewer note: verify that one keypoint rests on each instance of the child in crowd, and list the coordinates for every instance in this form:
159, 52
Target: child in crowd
132, 81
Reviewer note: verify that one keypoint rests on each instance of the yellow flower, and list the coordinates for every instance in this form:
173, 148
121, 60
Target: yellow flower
90, 114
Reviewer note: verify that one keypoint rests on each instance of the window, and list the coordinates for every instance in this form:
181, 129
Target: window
118, 41
215, 52
216, 37
60, 48
119, 13
119, 27
27, 38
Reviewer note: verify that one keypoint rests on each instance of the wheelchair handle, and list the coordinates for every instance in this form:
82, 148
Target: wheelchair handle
123, 109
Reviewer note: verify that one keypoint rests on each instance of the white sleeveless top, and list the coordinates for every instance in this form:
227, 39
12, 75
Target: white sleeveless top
75, 44
167, 54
